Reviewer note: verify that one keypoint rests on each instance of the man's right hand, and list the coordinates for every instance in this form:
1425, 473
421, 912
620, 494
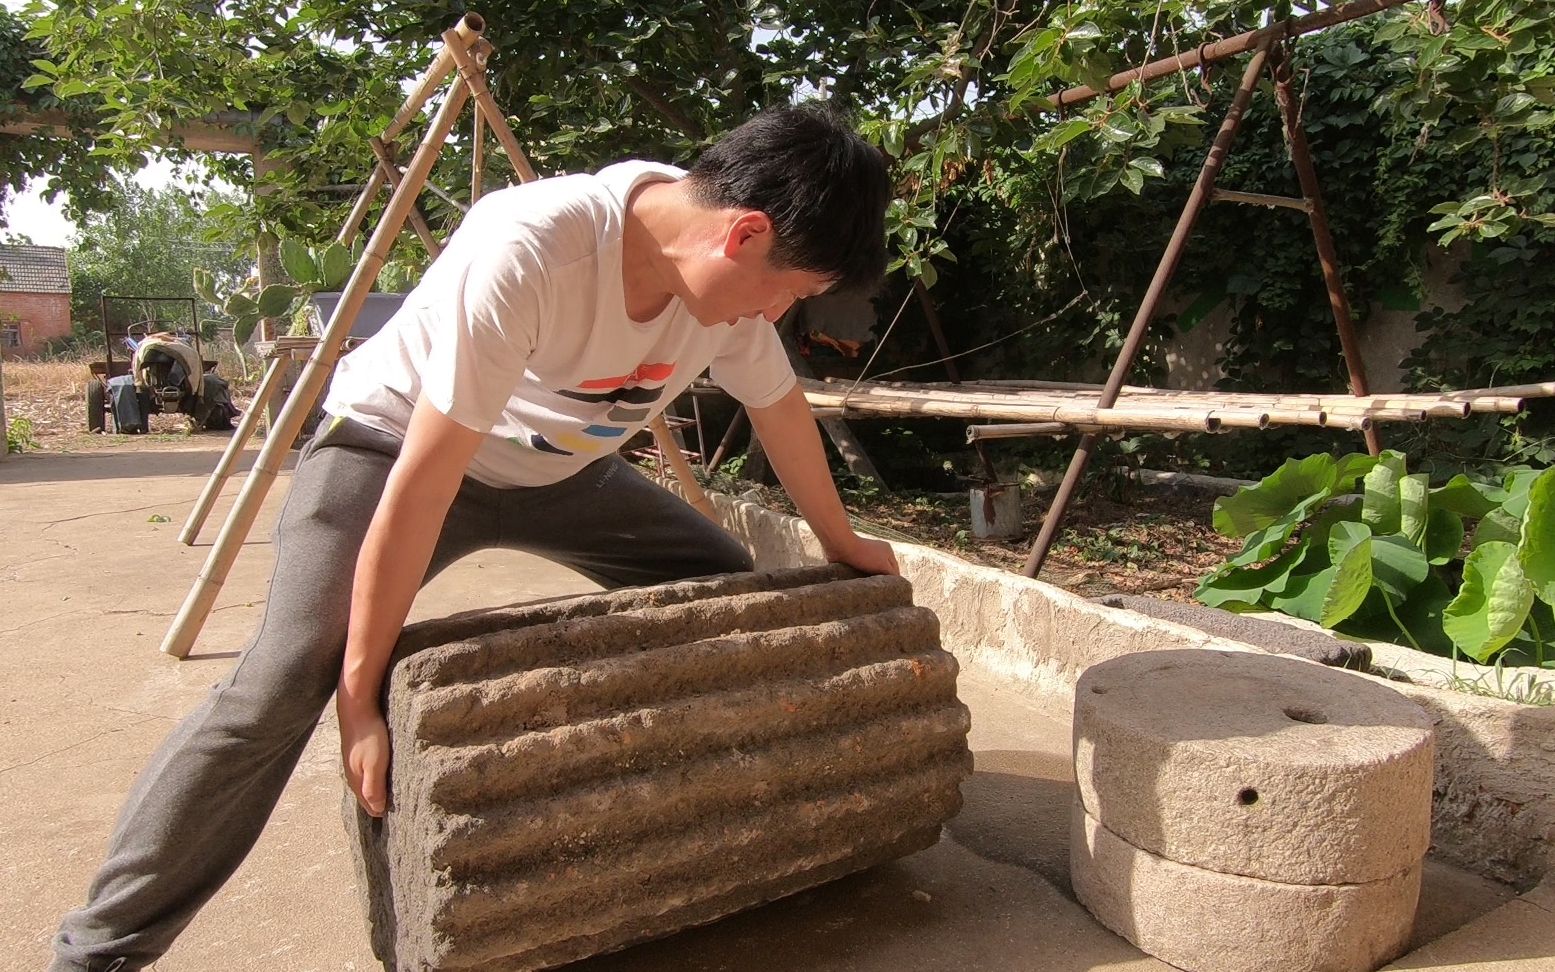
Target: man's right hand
364, 749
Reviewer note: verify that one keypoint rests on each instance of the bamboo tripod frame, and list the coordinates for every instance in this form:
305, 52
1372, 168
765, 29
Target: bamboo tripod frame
463, 56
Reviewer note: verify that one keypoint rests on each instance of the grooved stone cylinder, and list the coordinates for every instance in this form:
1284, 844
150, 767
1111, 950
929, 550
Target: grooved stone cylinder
572, 777
1245, 811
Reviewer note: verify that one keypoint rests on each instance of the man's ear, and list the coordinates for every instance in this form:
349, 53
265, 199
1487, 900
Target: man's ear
750, 228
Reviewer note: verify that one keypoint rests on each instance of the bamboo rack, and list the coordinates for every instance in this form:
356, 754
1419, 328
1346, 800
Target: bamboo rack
1075, 406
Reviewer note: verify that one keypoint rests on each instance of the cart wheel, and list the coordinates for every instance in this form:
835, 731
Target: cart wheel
96, 406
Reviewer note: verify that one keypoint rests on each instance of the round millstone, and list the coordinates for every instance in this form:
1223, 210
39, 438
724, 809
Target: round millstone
1206, 921
1255, 765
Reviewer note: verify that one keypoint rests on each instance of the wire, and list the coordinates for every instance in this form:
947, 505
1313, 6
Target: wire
1046, 320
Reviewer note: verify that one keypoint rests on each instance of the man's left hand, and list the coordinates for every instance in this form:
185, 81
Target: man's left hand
868, 555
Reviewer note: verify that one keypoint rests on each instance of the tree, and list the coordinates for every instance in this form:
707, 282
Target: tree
147, 243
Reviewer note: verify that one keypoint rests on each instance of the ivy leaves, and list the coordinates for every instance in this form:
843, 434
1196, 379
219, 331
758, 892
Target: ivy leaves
1382, 566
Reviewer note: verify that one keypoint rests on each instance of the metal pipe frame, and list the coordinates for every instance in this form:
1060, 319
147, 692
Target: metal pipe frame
1165, 270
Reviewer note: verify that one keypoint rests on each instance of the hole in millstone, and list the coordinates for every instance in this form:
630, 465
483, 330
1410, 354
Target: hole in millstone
1098, 690
1306, 715
1247, 797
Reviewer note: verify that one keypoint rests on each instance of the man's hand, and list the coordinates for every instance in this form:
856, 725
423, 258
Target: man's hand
364, 749
866, 554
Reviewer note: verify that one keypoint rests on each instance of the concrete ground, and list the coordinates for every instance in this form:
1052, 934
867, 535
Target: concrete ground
91, 574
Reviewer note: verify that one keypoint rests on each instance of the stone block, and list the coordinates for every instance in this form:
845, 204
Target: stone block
1205, 921
1255, 765
572, 777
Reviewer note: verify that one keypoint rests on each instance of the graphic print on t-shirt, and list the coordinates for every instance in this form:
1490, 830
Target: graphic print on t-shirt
630, 402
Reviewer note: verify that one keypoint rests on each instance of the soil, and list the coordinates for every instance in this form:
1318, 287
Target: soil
1118, 537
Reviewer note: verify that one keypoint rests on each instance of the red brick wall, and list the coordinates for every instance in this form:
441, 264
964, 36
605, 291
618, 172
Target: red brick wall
43, 318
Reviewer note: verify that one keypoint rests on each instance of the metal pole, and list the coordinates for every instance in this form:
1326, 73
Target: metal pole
1301, 157
1218, 51
1158, 284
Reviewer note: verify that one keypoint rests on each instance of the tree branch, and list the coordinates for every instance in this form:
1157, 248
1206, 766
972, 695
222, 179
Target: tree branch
687, 125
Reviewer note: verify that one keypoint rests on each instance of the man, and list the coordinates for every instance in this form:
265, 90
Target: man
561, 318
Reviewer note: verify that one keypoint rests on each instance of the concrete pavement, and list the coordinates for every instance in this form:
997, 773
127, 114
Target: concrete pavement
90, 577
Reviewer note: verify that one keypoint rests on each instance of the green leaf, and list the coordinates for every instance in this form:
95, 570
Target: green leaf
1085, 31
1414, 505
297, 262
1443, 536
1498, 526
1351, 469
1397, 566
1297, 483
1133, 180
1065, 132
1466, 498
1149, 166
1537, 547
334, 266
1492, 603
276, 299
1249, 585
1305, 593
1353, 575
1380, 507
1119, 128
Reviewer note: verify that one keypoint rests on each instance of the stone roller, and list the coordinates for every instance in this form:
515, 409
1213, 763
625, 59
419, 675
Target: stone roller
572, 777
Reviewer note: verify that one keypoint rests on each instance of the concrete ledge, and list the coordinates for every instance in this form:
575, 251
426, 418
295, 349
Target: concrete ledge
1495, 760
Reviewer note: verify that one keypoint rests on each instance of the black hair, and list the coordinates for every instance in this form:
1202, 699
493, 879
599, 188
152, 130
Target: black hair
823, 186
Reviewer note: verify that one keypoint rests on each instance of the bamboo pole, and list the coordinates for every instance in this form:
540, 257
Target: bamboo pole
670, 450
390, 167
229, 457
462, 36
474, 73
1182, 420
477, 156
202, 596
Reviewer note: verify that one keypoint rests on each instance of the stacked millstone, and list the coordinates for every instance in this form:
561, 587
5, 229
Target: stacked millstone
1241, 812
572, 777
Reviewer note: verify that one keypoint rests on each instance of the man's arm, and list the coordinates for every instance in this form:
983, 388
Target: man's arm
793, 444
393, 561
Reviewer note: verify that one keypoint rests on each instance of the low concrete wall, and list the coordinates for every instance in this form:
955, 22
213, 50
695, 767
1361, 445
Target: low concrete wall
1495, 771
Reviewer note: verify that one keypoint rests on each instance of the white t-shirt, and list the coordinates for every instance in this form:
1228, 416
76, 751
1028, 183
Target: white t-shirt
519, 330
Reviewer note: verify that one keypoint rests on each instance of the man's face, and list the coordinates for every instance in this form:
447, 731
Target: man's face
739, 280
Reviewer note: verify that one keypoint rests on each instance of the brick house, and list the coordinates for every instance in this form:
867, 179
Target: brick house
34, 299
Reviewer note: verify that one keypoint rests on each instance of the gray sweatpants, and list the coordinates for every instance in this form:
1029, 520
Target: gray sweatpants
200, 803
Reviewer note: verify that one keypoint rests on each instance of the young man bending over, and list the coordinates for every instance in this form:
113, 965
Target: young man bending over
561, 318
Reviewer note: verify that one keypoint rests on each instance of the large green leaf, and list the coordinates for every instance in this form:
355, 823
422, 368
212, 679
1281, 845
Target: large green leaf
1498, 526
1380, 508
1443, 535
1262, 544
1492, 603
1295, 483
205, 286
1353, 574
1397, 566
298, 262
1414, 507
1304, 594
1250, 585
1351, 469
1466, 498
1536, 550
